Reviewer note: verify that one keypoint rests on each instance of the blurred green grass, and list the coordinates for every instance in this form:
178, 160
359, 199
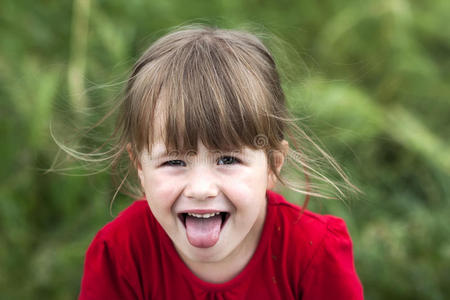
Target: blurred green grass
372, 77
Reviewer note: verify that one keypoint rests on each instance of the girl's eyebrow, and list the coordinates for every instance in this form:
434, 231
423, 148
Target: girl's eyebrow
160, 152
158, 155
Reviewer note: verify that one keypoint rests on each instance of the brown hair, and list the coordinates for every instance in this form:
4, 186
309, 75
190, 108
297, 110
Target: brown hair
218, 86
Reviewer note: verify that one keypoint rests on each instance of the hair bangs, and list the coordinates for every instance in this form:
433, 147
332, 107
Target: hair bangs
208, 95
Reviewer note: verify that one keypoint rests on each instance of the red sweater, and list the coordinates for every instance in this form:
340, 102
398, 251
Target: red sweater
307, 258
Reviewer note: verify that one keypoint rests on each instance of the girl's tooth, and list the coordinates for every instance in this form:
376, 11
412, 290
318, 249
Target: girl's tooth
203, 215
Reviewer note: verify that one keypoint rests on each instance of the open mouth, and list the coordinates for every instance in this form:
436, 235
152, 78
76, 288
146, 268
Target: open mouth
224, 217
203, 229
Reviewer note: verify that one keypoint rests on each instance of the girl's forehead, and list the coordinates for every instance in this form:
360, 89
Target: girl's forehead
159, 149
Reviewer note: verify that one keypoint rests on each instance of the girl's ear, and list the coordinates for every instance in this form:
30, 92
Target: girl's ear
282, 155
136, 163
130, 154
278, 158
132, 158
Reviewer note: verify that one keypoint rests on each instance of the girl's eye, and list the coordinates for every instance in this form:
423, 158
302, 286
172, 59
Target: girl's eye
228, 160
175, 163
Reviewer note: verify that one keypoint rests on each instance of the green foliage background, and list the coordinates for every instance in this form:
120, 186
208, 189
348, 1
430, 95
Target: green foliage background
371, 76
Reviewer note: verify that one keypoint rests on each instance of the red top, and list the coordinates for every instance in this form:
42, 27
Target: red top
307, 258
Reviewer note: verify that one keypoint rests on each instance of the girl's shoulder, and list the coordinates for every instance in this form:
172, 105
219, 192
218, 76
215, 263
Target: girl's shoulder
310, 231
315, 246
121, 255
131, 221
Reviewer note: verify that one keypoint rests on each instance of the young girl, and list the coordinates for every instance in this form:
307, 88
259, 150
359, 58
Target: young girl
205, 126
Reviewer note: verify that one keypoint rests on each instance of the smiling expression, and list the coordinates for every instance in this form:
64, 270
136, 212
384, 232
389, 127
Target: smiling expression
203, 183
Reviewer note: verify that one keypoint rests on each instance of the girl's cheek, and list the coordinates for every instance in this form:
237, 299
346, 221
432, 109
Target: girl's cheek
162, 182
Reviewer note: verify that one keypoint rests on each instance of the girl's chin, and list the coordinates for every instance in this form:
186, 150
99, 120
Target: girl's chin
209, 255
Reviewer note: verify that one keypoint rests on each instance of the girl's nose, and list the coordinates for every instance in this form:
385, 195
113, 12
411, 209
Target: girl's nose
201, 185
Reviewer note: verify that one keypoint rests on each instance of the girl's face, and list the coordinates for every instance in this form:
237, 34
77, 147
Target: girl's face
211, 204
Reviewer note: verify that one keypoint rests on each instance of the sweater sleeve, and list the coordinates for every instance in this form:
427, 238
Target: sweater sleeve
103, 277
331, 273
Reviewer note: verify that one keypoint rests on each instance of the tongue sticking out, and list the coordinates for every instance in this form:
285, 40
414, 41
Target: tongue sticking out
203, 232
